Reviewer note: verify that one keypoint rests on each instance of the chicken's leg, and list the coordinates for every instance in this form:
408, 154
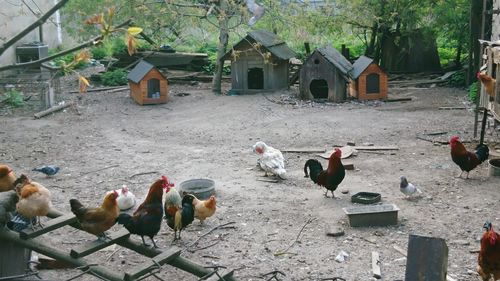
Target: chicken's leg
144, 241
154, 244
460, 176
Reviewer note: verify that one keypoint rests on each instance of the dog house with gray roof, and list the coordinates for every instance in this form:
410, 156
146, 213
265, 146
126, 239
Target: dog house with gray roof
147, 84
259, 62
325, 75
369, 80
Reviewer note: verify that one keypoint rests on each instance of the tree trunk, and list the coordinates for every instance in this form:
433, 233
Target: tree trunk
221, 49
460, 46
475, 32
370, 50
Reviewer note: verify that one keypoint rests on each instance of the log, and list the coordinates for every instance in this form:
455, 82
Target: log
28, 233
94, 246
376, 265
397, 99
41, 114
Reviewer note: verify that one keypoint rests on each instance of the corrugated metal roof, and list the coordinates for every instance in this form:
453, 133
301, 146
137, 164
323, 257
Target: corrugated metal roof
337, 59
270, 41
139, 71
360, 65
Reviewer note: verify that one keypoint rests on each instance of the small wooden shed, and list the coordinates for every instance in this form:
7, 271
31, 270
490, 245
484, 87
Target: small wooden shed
147, 84
369, 80
259, 62
325, 75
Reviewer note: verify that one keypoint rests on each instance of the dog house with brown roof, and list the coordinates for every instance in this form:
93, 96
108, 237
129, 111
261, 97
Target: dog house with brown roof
369, 80
147, 84
259, 63
325, 75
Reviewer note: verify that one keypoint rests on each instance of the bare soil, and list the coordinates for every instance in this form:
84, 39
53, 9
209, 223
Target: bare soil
111, 140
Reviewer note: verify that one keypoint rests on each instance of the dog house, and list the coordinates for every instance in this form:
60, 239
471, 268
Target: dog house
259, 63
369, 81
147, 84
325, 75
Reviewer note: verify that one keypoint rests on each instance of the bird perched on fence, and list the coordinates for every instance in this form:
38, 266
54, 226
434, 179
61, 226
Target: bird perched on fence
271, 160
465, 159
146, 220
49, 170
99, 219
34, 199
407, 188
489, 255
182, 217
173, 199
7, 178
489, 84
329, 178
126, 199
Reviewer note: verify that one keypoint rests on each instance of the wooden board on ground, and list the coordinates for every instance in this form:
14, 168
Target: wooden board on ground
304, 150
347, 151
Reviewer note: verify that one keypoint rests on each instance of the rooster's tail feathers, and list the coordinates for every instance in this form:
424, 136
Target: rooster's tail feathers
315, 168
482, 152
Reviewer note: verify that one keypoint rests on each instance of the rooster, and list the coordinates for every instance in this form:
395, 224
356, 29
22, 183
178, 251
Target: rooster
7, 178
173, 200
489, 255
467, 160
271, 159
182, 217
329, 178
99, 219
489, 84
34, 199
204, 208
146, 220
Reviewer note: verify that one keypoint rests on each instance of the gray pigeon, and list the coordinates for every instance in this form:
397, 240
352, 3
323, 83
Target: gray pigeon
408, 189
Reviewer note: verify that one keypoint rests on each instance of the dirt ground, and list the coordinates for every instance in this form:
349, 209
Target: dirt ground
111, 140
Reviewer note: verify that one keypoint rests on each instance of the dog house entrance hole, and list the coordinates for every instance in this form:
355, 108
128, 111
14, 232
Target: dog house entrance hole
319, 88
154, 88
373, 83
255, 78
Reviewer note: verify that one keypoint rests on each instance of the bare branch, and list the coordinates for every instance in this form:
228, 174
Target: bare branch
34, 25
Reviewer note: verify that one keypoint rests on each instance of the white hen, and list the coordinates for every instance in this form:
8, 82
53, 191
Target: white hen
126, 199
270, 159
408, 188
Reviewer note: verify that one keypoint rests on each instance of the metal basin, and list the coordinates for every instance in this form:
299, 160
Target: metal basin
201, 188
494, 167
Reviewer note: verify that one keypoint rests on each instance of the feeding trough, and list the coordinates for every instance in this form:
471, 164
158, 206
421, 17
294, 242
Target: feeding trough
366, 197
201, 188
494, 167
377, 215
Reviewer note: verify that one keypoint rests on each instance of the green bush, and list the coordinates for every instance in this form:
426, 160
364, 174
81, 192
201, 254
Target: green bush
100, 52
114, 78
14, 98
473, 92
458, 79
67, 59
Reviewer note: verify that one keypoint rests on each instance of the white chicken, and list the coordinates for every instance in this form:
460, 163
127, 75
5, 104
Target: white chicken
408, 188
126, 199
270, 159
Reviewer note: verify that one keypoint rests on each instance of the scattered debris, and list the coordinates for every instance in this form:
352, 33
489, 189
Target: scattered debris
376, 265
341, 257
284, 252
336, 231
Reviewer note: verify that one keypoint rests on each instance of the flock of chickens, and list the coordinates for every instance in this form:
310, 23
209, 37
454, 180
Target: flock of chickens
178, 211
272, 162
164, 202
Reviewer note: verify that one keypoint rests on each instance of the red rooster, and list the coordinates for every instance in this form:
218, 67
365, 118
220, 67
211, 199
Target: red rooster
467, 160
329, 178
489, 255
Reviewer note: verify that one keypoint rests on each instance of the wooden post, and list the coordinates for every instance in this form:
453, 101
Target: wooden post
427, 259
308, 48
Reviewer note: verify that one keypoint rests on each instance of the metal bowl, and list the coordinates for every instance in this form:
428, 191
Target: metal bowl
494, 167
201, 188
366, 197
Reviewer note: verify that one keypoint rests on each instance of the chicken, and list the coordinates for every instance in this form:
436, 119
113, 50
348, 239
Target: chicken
270, 159
182, 217
489, 84
489, 255
329, 178
49, 170
126, 199
146, 220
467, 160
173, 200
34, 199
408, 189
204, 208
99, 219
7, 178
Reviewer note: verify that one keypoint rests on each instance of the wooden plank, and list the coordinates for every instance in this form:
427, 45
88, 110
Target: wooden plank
146, 266
399, 250
41, 114
213, 277
96, 245
304, 150
390, 147
61, 221
376, 265
452, 108
397, 99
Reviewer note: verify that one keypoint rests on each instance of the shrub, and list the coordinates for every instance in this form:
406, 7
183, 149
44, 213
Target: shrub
114, 78
14, 98
473, 92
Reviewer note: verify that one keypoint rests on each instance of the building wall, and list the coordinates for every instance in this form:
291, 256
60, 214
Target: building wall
16, 15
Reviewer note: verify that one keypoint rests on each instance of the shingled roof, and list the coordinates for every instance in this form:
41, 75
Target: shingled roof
337, 59
360, 65
139, 71
268, 40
